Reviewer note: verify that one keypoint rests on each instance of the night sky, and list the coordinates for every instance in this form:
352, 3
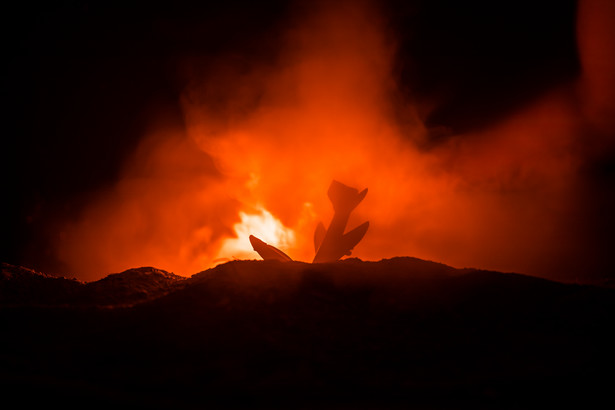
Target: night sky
86, 80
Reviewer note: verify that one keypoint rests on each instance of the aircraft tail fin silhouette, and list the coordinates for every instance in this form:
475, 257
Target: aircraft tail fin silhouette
344, 198
332, 243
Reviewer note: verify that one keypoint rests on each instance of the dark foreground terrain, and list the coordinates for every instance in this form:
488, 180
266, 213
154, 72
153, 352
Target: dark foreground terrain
399, 333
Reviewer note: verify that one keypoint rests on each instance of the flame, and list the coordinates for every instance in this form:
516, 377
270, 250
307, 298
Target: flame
263, 225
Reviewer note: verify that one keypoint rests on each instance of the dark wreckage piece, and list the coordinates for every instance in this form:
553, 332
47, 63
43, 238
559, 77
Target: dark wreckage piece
268, 252
329, 244
333, 243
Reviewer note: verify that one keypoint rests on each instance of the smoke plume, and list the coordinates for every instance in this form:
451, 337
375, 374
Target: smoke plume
263, 140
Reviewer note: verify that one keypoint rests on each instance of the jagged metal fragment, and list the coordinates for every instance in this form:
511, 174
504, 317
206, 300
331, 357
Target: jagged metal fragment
333, 243
268, 252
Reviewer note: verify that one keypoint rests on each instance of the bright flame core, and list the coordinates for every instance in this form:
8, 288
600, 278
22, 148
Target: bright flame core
264, 226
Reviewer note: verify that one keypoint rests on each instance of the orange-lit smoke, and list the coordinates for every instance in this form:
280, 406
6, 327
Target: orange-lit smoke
279, 133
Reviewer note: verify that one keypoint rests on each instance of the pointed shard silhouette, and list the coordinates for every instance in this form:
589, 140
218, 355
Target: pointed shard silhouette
268, 252
335, 243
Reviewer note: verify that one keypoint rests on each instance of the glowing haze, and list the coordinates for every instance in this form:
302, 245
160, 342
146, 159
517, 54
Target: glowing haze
262, 142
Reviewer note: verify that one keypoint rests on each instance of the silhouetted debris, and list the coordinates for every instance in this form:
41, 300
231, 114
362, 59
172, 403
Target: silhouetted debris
333, 244
268, 252
330, 244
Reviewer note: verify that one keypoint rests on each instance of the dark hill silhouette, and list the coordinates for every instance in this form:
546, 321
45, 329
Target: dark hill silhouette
21, 286
397, 333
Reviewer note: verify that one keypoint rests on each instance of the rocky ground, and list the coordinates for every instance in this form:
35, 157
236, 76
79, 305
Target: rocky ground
399, 333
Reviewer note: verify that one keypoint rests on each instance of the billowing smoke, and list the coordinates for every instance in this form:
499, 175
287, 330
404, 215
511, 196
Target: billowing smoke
263, 141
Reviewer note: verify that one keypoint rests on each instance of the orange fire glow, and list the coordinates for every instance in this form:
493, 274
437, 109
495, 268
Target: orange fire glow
263, 224
278, 134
